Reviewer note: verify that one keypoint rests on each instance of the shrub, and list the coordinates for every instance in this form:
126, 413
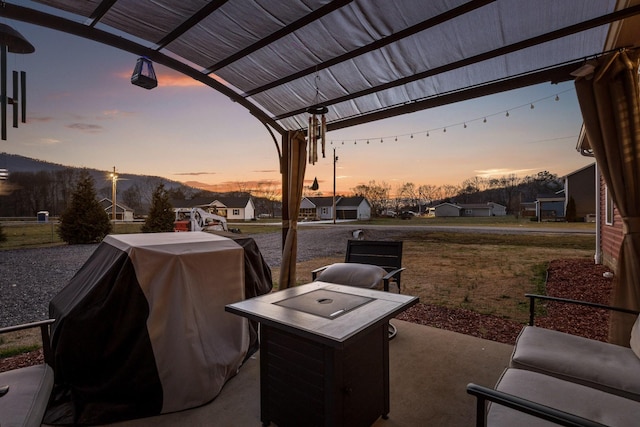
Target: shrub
571, 215
84, 220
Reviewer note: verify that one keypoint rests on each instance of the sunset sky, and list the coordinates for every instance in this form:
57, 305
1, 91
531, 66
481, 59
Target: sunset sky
83, 111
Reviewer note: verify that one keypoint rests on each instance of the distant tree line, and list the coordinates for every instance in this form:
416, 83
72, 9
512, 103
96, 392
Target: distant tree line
26, 193
30, 192
509, 191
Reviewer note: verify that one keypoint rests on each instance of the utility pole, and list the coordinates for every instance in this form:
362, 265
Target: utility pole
114, 179
335, 160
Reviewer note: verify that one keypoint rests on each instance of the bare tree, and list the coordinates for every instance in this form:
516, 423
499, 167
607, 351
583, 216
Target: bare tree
409, 194
377, 194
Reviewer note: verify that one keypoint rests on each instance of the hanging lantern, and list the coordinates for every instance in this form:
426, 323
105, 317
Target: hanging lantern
317, 131
143, 74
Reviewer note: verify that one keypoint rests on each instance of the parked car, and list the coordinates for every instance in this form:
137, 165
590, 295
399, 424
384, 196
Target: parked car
389, 213
406, 215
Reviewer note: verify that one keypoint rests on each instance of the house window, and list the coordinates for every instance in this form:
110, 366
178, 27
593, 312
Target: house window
468, 212
608, 205
236, 212
325, 211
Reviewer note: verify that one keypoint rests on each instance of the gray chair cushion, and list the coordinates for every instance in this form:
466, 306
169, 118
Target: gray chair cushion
354, 274
635, 337
608, 367
585, 402
26, 401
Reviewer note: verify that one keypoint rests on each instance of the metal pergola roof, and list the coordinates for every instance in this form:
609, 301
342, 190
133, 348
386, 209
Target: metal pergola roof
365, 59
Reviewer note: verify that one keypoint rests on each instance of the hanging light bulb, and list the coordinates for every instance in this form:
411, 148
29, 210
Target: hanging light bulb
532, 107
356, 142
381, 141
444, 130
411, 135
396, 139
465, 125
557, 98
367, 141
507, 115
427, 133
485, 120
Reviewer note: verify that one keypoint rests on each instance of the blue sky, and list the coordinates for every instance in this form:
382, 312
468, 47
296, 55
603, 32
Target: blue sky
83, 111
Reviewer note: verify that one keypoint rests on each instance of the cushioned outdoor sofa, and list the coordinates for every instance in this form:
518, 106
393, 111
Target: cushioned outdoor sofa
555, 378
24, 392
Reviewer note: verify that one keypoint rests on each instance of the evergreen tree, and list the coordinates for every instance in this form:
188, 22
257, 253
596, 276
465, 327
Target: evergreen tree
161, 215
571, 214
84, 220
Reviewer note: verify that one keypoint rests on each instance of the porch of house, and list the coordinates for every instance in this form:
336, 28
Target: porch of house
429, 371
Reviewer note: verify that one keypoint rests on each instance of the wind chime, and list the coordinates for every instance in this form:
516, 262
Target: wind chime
13, 42
317, 127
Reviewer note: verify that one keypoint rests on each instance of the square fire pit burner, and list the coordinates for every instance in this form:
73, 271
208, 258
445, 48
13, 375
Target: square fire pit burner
325, 303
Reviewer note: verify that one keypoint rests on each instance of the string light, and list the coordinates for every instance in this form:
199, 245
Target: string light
507, 113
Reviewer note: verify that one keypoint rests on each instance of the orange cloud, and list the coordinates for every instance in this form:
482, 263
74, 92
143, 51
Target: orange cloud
170, 79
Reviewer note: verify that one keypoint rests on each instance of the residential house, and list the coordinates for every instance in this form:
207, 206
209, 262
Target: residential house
240, 208
233, 208
470, 209
580, 186
313, 208
550, 207
123, 213
321, 208
353, 208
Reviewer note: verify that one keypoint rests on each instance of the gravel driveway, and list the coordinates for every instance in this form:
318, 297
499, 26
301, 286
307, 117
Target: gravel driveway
30, 278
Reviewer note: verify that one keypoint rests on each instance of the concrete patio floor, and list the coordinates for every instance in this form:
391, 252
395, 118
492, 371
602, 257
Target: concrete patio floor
429, 371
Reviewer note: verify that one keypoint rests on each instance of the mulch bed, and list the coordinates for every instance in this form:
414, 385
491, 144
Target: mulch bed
578, 279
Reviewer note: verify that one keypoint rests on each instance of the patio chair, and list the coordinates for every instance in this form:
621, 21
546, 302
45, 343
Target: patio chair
367, 264
24, 392
384, 254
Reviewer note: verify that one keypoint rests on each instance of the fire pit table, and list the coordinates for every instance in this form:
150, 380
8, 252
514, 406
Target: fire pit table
324, 353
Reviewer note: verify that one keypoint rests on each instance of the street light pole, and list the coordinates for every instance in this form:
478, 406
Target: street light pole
335, 160
114, 179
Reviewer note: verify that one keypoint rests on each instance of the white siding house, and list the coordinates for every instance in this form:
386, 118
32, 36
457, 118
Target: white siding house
470, 209
321, 208
239, 208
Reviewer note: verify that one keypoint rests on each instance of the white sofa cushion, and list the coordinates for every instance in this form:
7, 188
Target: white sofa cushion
608, 367
635, 337
354, 274
28, 395
590, 403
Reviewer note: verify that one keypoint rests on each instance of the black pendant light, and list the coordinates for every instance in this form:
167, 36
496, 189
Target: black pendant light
143, 74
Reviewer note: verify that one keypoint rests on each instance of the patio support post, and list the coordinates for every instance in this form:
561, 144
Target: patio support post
293, 164
610, 105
